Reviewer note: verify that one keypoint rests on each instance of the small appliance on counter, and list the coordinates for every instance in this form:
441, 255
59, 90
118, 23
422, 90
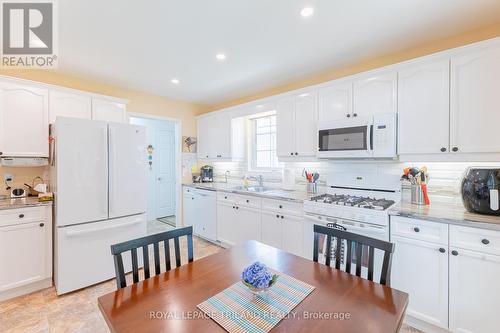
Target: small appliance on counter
480, 187
18, 193
207, 174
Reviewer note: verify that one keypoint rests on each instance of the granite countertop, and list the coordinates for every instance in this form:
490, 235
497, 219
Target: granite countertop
22, 203
296, 196
446, 213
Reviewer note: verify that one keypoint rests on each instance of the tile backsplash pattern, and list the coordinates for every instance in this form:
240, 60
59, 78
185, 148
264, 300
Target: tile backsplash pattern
443, 184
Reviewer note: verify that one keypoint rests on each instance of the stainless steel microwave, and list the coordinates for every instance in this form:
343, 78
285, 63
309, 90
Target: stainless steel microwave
369, 137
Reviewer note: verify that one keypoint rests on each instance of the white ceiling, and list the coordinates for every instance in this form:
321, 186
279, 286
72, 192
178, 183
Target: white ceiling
144, 44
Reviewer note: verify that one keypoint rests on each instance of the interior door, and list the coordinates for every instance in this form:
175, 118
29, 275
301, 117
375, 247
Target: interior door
64, 104
127, 169
81, 193
285, 127
424, 108
475, 115
165, 171
306, 117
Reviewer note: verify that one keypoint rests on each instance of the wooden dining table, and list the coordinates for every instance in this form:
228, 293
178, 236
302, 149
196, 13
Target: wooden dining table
167, 302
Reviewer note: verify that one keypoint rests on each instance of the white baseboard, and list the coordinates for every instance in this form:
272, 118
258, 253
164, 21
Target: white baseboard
26, 289
423, 326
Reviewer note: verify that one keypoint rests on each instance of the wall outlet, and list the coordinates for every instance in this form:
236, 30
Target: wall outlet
8, 177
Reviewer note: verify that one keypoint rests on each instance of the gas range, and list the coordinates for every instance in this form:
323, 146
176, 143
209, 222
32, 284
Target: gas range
355, 205
354, 201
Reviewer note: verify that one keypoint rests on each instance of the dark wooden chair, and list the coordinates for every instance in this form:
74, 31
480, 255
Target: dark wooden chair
144, 242
361, 244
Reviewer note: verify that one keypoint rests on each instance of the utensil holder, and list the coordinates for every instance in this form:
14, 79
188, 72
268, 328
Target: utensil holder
417, 195
312, 188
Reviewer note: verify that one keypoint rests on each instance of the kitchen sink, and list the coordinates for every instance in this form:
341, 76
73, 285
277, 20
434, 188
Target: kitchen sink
257, 189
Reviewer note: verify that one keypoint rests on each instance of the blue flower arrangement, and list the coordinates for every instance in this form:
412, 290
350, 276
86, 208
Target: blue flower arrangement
257, 277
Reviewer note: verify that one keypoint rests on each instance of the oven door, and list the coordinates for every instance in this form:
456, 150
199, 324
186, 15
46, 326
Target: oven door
341, 139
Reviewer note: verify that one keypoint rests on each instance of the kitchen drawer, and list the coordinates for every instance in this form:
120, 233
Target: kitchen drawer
226, 197
486, 241
21, 215
248, 201
283, 206
419, 229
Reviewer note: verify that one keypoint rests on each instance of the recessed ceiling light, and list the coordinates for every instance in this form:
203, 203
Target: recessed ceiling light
220, 56
175, 81
307, 11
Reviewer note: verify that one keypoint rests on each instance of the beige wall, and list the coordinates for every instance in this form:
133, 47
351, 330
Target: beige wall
139, 102
368, 64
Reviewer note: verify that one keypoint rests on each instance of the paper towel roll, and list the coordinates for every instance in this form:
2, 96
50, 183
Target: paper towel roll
288, 179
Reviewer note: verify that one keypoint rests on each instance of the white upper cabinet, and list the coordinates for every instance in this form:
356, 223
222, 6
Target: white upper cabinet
375, 94
475, 100
108, 111
285, 127
306, 121
335, 101
296, 123
24, 120
65, 104
423, 105
221, 137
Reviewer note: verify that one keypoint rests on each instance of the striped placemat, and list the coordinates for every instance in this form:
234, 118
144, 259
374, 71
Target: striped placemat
239, 310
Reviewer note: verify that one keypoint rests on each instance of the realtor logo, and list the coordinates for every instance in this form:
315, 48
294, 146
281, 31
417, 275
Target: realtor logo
28, 34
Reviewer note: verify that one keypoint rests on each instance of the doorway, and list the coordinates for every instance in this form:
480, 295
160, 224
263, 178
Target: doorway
162, 148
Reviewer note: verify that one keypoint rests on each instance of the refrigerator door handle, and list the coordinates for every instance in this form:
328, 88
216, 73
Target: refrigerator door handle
111, 167
90, 231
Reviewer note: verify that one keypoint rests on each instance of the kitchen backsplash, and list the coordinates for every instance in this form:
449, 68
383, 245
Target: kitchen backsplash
21, 176
443, 184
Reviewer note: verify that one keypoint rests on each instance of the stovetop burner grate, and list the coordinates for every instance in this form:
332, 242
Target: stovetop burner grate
354, 201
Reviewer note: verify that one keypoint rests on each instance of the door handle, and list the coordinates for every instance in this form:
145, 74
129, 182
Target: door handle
159, 178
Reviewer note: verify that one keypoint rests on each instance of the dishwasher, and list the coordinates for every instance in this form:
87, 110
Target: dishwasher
203, 214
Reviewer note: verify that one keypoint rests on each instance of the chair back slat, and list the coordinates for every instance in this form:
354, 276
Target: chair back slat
348, 257
328, 247
166, 246
371, 261
144, 242
359, 252
362, 245
190, 248
156, 251
145, 258
337, 253
135, 265
120, 274
177, 252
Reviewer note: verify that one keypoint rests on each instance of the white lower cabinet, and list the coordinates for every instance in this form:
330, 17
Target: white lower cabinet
247, 224
25, 251
226, 227
474, 291
421, 269
272, 230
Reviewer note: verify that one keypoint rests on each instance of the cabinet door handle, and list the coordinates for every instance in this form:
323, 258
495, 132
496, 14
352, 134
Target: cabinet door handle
282, 217
291, 153
442, 250
443, 149
416, 229
296, 153
281, 206
21, 216
348, 115
485, 241
277, 216
234, 207
248, 201
355, 115
455, 253
455, 149
41, 224
237, 207
225, 197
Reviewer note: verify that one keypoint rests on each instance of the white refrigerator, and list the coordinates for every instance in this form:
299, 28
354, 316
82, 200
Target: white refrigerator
99, 183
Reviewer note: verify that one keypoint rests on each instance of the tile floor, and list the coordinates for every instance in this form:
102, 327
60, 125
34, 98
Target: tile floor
44, 311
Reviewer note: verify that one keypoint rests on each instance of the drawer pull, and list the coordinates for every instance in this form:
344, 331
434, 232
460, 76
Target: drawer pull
455, 253
485, 241
281, 206
21, 216
416, 229
248, 201
225, 197
41, 224
442, 250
